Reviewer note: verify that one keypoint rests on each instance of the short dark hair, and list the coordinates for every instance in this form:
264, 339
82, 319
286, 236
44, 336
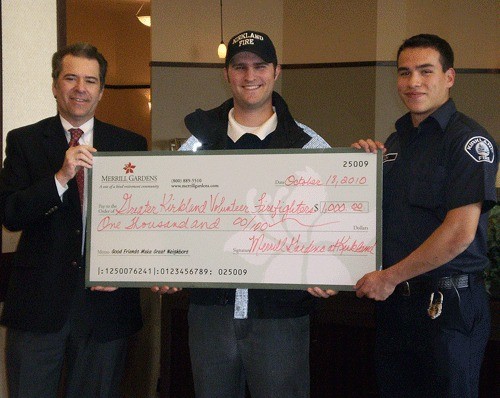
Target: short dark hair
84, 50
426, 40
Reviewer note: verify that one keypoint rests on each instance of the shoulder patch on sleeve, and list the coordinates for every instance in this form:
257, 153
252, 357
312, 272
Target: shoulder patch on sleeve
480, 149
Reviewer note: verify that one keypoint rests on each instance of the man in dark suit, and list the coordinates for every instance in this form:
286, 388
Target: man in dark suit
51, 318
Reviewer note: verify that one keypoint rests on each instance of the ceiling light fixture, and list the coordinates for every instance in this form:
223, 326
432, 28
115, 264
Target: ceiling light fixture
221, 50
143, 18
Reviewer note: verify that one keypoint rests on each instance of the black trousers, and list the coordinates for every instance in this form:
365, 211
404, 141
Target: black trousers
417, 356
91, 368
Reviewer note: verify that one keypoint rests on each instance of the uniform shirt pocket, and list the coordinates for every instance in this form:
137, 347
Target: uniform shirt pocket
427, 189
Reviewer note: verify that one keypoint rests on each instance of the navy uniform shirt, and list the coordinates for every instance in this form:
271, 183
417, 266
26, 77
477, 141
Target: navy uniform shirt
448, 161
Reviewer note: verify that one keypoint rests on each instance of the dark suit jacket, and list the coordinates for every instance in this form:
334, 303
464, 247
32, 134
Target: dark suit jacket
48, 267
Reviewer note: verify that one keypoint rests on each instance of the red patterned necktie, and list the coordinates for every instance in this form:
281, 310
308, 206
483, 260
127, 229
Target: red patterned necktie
75, 136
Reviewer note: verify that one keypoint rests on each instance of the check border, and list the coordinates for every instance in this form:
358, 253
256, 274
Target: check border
203, 284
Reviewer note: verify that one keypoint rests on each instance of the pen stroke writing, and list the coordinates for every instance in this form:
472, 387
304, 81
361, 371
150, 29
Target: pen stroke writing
251, 223
216, 204
137, 223
294, 245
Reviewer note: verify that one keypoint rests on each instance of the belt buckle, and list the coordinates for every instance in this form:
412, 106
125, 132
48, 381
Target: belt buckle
405, 288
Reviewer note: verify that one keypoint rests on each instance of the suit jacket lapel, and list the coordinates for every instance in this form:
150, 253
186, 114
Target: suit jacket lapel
55, 146
55, 143
102, 140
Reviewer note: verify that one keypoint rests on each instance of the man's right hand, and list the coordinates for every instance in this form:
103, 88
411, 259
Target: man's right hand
165, 289
76, 157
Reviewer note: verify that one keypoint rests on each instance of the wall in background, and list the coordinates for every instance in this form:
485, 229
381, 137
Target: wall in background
325, 99
26, 85
189, 31
357, 30
26, 71
341, 101
471, 27
126, 45
326, 31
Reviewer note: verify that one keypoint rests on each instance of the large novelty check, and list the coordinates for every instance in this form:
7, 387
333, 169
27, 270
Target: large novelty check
267, 219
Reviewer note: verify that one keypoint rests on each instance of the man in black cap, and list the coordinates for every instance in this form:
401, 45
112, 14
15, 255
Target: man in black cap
240, 336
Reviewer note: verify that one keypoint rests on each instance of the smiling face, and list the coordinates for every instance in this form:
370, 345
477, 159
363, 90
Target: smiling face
77, 89
422, 84
252, 82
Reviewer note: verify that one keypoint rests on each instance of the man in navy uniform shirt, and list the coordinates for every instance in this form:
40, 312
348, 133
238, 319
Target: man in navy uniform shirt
433, 317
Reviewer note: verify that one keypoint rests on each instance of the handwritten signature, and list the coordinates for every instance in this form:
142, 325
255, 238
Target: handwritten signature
294, 245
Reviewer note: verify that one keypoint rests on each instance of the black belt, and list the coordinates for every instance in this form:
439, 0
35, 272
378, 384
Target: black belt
425, 285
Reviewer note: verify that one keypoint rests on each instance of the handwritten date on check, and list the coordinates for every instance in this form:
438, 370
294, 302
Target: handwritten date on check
258, 219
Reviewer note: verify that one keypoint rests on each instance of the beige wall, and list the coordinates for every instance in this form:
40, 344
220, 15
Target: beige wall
357, 30
319, 31
478, 95
365, 30
390, 30
126, 44
29, 38
178, 91
117, 33
471, 27
323, 99
340, 103
189, 31
127, 108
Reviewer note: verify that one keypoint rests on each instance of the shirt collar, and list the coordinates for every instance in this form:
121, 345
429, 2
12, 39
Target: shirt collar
442, 116
235, 130
87, 128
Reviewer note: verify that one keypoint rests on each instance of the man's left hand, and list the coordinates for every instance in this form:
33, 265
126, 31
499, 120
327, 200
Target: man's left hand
103, 288
375, 285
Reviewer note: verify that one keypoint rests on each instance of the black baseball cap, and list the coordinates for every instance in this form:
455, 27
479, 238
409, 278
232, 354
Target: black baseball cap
255, 42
